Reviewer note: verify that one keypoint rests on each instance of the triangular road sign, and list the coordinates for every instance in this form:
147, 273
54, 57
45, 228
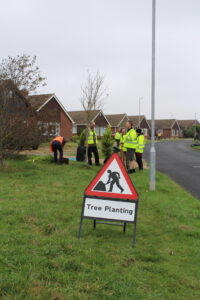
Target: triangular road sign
112, 181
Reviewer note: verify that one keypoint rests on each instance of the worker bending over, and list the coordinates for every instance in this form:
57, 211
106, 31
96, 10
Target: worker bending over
56, 145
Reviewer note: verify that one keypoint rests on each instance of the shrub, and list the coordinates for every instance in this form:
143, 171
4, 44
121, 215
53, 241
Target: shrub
107, 143
75, 139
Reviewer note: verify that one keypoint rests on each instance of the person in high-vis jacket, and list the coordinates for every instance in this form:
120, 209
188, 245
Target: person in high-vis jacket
131, 144
118, 137
122, 148
56, 145
92, 145
140, 148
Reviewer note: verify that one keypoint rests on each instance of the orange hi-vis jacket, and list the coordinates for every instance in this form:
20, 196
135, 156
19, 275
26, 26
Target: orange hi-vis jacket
59, 139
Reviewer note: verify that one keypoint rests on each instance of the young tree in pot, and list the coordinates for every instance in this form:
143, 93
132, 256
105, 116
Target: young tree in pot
107, 143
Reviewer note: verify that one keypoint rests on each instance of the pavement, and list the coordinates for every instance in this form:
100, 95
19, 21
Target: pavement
179, 162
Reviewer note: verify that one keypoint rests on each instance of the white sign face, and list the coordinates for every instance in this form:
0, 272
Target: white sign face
113, 181
107, 209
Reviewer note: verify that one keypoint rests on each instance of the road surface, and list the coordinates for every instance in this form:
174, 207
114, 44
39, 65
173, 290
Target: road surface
179, 162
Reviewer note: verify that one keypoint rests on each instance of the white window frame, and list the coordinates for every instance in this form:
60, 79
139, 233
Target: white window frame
74, 129
145, 131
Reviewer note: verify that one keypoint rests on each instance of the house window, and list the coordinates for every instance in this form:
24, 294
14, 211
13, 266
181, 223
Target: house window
102, 130
43, 126
145, 132
97, 129
52, 128
175, 132
74, 129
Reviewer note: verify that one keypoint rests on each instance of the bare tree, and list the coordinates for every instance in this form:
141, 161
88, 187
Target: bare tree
18, 123
93, 95
22, 70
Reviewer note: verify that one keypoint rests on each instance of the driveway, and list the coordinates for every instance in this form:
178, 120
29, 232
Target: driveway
179, 162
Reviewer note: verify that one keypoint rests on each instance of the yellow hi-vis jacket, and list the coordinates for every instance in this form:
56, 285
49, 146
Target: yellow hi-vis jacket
131, 139
118, 136
140, 144
122, 140
91, 138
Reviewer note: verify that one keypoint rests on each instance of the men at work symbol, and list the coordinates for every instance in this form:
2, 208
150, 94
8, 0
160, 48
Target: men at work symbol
113, 178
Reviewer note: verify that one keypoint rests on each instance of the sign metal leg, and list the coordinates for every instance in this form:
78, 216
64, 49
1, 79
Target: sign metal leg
124, 228
94, 223
134, 235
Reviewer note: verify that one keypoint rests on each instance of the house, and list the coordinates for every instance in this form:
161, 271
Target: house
140, 122
117, 121
169, 128
187, 124
80, 121
53, 118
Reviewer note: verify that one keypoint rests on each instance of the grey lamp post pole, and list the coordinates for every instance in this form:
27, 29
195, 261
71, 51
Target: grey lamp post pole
140, 98
152, 184
195, 127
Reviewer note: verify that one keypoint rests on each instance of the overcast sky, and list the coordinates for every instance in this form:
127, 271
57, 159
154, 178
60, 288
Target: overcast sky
114, 37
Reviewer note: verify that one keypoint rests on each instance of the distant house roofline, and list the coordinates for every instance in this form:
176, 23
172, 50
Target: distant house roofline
113, 122
83, 121
165, 123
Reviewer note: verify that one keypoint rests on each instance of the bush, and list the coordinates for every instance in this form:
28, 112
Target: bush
75, 139
107, 143
189, 132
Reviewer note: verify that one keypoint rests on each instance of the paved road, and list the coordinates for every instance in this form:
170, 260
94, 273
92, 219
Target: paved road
178, 161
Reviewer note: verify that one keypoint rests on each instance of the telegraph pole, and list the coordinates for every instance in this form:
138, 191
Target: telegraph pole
152, 184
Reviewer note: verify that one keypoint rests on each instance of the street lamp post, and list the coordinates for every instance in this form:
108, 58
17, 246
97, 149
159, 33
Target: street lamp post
140, 98
195, 126
152, 185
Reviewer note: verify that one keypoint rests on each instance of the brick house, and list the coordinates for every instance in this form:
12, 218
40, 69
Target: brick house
186, 124
117, 121
80, 121
169, 128
53, 118
140, 122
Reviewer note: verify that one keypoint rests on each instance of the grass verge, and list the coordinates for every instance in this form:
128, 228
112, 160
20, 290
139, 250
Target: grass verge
196, 147
41, 258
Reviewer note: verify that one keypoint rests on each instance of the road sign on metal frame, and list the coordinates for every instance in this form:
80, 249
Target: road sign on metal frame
111, 196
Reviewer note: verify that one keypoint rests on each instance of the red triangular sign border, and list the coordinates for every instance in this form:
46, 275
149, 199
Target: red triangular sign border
89, 190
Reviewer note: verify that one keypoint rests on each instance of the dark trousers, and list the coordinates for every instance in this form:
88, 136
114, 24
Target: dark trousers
57, 147
117, 141
93, 149
139, 160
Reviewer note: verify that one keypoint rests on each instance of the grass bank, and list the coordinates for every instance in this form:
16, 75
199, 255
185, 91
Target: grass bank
41, 258
196, 147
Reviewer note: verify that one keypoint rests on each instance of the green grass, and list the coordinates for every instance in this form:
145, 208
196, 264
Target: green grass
196, 147
41, 257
